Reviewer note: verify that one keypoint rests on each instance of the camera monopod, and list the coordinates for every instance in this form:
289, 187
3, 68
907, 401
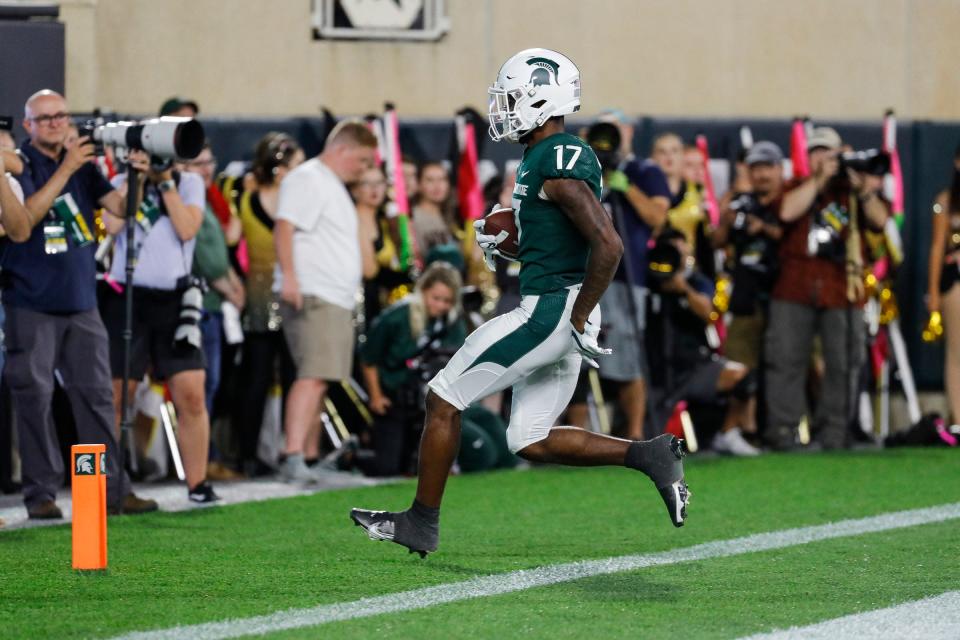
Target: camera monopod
126, 428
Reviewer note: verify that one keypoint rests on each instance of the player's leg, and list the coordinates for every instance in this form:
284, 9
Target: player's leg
540, 398
439, 446
470, 375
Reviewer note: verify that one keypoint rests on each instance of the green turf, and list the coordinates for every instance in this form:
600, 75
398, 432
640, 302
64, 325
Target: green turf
184, 568
721, 598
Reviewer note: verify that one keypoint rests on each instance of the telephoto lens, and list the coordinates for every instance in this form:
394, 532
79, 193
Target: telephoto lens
165, 137
187, 334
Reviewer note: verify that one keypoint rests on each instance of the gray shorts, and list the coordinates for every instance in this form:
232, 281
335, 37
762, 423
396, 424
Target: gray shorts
320, 337
623, 333
700, 384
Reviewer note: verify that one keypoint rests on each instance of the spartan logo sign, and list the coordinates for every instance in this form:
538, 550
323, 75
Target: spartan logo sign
84, 464
103, 463
542, 70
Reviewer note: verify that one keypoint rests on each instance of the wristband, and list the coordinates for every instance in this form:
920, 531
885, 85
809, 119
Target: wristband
167, 186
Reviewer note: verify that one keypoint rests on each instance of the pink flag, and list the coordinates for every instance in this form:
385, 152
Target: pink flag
890, 146
713, 207
469, 190
798, 149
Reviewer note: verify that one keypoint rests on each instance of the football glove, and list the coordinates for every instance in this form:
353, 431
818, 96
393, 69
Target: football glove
588, 343
488, 243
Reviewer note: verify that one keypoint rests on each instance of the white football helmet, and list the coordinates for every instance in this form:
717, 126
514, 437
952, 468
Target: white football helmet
532, 87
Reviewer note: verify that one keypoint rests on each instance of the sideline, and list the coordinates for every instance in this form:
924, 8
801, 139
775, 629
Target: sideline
172, 496
543, 576
936, 618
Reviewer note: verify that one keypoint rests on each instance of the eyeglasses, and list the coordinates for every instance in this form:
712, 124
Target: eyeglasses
47, 121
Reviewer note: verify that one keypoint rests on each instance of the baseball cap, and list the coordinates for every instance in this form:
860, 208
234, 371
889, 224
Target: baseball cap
176, 103
614, 115
824, 137
764, 152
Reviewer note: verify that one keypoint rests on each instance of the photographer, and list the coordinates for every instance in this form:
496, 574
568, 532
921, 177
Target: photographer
49, 296
750, 226
401, 342
166, 307
682, 365
638, 196
8, 147
820, 291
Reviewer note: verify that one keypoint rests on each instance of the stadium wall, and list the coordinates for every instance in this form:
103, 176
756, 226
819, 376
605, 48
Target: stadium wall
827, 58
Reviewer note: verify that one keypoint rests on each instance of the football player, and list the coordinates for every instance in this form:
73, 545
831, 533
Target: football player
569, 251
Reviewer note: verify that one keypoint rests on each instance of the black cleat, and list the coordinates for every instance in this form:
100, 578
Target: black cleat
666, 471
395, 527
676, 496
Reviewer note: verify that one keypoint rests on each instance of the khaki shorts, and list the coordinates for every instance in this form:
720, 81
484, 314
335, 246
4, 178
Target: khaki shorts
745, 339
320, 337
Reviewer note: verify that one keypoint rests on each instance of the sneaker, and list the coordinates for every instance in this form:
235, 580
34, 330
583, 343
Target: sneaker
46, 510
294, 470
396, 527
203, 494
133, 505
733, 443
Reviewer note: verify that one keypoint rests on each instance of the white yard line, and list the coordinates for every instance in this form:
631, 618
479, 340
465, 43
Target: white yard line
543, 576
936, 618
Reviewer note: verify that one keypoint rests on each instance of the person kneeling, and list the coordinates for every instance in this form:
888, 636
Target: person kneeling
683, 367
402, 347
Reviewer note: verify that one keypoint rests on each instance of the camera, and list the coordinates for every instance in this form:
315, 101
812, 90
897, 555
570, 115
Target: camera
6, 123
743, 205
604, 139
870, 161
825, 239
187, 334
87, 128
663, 261
165, 138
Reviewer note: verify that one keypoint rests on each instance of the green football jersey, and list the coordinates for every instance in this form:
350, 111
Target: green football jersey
553, 254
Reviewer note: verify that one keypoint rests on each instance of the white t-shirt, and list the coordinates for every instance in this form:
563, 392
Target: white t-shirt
326, 246
163, 258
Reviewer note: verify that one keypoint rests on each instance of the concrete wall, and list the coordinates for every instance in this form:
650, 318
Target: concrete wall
827, 58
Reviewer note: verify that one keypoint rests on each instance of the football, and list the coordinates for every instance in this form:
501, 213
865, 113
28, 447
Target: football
500, 221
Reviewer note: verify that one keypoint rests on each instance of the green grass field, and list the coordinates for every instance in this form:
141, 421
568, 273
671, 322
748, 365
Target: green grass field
172, 569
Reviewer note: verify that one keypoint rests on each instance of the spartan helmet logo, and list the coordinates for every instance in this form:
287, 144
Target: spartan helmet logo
84, 463
544, 71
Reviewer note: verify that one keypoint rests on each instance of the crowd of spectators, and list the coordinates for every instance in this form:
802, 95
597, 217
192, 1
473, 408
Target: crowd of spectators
316, 324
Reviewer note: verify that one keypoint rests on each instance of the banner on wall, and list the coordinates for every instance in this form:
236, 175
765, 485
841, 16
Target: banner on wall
380, 19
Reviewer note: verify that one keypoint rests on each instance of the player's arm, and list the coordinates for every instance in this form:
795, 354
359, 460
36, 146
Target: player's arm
579, 203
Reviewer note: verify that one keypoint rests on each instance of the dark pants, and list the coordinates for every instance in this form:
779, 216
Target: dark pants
788, 348
264, 355
211, 328
75, 345
396, 435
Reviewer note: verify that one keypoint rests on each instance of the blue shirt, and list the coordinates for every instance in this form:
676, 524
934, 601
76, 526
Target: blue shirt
58, 283
636, 233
